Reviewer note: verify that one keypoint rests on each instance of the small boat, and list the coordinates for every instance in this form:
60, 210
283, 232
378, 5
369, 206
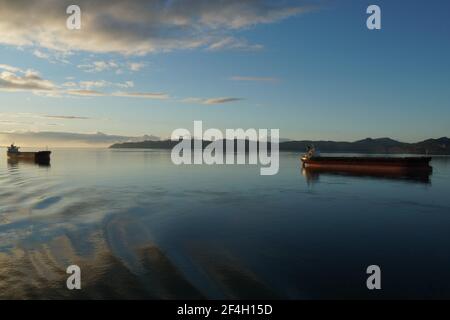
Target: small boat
38, 157
313, 159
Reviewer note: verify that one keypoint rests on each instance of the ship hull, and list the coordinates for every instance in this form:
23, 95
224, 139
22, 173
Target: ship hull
370, 164
38, 157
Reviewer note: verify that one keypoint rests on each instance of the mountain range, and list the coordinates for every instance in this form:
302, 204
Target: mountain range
439, 146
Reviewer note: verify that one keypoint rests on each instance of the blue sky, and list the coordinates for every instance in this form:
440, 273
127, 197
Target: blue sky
314, 73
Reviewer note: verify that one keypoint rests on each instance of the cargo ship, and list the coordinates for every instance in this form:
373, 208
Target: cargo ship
313, 159
313, 174
41, 157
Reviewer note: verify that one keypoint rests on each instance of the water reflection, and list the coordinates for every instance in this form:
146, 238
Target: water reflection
14, 163
312, 175
141, 227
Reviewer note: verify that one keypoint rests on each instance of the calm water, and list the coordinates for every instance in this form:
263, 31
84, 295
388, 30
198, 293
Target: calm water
140, 227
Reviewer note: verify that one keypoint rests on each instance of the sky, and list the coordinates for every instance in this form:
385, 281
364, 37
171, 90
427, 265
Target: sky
145, 68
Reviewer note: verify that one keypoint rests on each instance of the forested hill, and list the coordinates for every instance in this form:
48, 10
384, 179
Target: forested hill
439, 146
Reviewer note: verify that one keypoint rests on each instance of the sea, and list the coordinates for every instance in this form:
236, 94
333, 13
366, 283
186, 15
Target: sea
140, 227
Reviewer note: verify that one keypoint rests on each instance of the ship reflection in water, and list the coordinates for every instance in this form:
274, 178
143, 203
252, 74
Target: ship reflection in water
312, 175
30, 162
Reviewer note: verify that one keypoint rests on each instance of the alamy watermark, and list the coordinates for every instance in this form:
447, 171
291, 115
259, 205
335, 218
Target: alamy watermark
374, 20
374, 280
73, 282
73, 22
241, 146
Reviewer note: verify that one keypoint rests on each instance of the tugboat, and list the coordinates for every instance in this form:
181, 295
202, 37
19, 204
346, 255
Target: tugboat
313, 159
40, 157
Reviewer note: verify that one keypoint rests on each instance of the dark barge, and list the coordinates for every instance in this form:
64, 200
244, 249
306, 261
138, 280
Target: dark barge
360, 164
40, 157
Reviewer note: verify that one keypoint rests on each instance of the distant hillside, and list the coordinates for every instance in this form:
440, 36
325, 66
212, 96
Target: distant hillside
168, 144
439, 146
149, 144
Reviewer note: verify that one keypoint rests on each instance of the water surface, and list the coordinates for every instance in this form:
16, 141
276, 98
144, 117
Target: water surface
141, 227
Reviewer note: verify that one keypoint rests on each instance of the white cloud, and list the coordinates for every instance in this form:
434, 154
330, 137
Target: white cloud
126, 84
30, 80
99, 66
52, 57
10, 68
234, 44
138, 26
146, 95
24, 81
211, 101
89, 84
69, 84
85, 93
135, 66
94, 84
192, 100
40, 54
117, 67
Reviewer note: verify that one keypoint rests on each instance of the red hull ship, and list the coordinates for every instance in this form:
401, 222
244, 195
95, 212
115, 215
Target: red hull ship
360, 164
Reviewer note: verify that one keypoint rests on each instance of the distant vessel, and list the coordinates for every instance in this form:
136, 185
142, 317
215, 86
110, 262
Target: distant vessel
312, 159
38, 157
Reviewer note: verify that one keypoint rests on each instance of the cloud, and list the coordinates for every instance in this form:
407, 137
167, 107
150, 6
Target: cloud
99, 66
93, 84
103, 83
52, 57
147, 95
11, 122
40, 54
139, 26
66, 117
211, 101
221, 100
31, 118
97, 84
10, 68
85, 92
24, 120
256, 79
70, 84
193, 100
30, 80
24, 81
126, 84
231, 43
135, 66
62, 139
117, 67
